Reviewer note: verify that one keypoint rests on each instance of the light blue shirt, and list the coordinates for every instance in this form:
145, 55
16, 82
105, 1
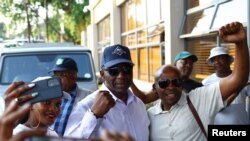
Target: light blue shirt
235, 113
131, 118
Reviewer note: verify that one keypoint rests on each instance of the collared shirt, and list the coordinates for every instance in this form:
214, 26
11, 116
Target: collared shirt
67, 106
236, 112
179, 123
131, 118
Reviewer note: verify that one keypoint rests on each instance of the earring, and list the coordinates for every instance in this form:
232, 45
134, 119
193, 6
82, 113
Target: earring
39, 121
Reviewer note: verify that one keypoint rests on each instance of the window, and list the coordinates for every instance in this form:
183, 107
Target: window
208, 15
104, 31
201, 48
143, 32
153, 11
235, 10
28, 67
103, 28
199, 22
204, 16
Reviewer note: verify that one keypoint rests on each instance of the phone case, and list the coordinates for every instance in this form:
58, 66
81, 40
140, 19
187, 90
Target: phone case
47, 89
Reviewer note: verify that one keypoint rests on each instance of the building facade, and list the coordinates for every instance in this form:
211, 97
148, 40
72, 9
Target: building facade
156, 30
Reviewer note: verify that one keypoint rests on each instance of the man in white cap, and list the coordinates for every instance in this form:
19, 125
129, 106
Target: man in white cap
235, 112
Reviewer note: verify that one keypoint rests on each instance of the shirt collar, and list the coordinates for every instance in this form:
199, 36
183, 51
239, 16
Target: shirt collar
71, 94
66, 95
182, 101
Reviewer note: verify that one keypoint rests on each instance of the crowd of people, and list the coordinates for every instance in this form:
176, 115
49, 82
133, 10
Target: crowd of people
117, 112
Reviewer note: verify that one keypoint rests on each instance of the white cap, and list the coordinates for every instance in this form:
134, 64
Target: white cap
217, 51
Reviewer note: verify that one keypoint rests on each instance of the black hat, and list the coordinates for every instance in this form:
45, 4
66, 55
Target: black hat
63, 64
114, 55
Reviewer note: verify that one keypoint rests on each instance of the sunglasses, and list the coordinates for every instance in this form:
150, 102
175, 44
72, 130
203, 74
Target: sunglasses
114, 71
165, 83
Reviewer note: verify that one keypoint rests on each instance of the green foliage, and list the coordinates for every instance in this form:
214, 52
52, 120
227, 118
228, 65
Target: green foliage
73, 18
76, 20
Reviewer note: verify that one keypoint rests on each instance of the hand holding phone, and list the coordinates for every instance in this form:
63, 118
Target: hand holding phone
44, 89
14, 91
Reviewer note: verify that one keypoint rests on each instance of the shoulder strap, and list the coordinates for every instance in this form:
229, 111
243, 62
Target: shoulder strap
196, 116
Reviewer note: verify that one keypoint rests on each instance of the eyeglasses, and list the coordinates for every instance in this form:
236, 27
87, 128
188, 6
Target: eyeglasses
114, 71
165, 83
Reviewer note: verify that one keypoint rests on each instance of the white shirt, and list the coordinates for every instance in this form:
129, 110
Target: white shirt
1, 105
236, 112
21, 127
179, 123
131, 118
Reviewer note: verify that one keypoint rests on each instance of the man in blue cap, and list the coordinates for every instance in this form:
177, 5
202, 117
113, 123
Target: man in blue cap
184, 63
113, 106
66, 69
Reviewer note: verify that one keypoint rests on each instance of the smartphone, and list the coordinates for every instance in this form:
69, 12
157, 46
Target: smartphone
47, 89
49, 138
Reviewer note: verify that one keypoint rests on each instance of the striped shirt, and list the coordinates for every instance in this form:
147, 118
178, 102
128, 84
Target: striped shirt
66, 108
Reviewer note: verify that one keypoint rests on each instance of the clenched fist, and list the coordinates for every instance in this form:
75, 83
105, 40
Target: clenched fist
103, 103
233, 33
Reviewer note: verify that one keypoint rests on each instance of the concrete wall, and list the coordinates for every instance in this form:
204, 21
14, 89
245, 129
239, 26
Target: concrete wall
173, 21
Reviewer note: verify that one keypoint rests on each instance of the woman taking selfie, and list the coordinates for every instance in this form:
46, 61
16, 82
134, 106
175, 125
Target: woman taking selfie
41, 115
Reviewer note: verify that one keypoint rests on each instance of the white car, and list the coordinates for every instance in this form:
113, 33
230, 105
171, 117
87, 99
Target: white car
37, 59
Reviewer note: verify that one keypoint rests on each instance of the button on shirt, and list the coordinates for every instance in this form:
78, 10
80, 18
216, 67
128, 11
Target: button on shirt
131, 118
179, 123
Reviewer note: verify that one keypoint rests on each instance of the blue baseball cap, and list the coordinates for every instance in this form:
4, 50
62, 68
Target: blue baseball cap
114, 55
185, 54
63, 64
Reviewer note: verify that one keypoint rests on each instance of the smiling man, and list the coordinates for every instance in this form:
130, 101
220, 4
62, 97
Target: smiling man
171, 118
113, 106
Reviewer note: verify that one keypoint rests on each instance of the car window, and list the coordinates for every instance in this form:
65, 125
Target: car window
28, 67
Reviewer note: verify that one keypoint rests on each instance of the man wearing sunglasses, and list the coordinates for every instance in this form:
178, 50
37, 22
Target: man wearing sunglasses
171, 118
184, 63
113, 106
235, 112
